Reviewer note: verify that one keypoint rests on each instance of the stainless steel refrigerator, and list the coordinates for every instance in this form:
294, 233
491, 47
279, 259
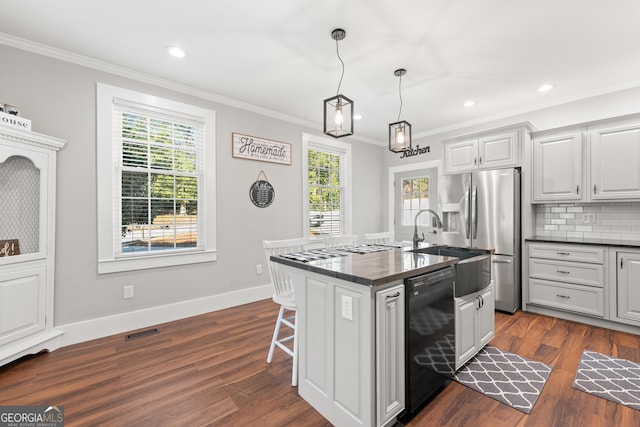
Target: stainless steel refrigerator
482, 210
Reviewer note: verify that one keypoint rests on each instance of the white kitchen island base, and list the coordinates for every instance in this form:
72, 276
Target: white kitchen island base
339, 360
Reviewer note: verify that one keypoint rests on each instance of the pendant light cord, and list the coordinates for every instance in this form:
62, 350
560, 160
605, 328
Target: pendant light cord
400, 93
342, 62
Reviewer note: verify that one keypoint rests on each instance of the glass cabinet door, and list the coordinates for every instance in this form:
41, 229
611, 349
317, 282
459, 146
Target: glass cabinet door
20, 210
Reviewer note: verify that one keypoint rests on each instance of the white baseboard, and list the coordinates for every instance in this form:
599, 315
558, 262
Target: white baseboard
87, 330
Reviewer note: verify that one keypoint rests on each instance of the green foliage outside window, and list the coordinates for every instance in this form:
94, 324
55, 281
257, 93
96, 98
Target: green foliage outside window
158, 170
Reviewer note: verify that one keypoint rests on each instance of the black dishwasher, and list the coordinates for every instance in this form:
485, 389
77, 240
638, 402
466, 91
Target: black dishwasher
430, 338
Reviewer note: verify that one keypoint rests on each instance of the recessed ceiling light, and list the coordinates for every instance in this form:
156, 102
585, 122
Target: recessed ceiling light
176, 51
357, 116
469, 103
546, 87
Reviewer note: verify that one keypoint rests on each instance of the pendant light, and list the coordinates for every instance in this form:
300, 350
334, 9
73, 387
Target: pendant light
338, 110
400, 131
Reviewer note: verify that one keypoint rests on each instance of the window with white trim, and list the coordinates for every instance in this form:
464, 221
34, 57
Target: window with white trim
326, 166
415, 196
156, 181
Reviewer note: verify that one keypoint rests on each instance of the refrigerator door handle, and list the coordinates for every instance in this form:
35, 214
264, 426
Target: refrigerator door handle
467, 210
502, 261
474, 211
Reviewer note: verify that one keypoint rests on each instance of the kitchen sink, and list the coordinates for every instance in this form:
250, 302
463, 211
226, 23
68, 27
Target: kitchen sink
462, 253
473, 271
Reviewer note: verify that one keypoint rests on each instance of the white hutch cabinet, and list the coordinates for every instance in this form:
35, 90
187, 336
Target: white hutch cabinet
27, 231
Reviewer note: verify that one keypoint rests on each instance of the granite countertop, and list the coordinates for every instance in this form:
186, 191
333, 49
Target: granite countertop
583, 241
373, 268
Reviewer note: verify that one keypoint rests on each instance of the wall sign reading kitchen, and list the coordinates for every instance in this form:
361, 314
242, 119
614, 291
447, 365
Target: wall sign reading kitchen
415, 151
264, 150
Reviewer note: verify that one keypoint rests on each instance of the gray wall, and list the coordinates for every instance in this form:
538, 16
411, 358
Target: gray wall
59, 97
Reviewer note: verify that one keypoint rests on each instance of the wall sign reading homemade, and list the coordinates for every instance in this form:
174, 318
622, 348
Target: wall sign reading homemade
264, 150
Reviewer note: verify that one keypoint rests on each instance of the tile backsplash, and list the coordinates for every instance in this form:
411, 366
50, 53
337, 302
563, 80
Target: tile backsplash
619, 221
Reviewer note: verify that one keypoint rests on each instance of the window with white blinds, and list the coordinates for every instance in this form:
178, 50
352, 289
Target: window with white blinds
327, 189
157, 153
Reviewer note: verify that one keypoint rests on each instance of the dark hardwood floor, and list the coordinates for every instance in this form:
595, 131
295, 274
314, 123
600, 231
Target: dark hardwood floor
211, 370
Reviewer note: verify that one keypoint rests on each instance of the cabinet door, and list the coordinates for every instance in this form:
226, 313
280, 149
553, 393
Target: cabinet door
22, 304
499, 150
628, 286
389, 353
557, 168
486, 317
614, 159
461, 156
466, 328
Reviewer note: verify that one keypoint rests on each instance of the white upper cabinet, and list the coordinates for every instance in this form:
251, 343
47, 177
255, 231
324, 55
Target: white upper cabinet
614, 160
499, 150
461, 156
557, 167
588, 163
495, 149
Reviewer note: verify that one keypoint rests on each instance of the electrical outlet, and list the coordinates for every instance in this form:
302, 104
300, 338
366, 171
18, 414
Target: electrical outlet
588, 218
258, 268
127, 292
347, 307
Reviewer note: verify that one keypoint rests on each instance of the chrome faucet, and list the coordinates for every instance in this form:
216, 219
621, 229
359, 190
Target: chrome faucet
417, 239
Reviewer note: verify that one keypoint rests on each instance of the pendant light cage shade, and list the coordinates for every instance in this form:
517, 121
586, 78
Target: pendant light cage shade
400, 131
400, 136
338, 110
338, 116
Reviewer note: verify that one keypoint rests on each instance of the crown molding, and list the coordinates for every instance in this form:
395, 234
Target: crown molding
85, 61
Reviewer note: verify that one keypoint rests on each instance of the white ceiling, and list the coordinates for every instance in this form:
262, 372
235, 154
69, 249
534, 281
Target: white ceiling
279, 55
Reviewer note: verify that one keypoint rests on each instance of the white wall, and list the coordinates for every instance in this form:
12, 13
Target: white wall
59, 97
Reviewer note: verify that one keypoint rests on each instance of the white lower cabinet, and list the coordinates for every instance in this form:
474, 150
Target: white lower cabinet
628, 286
390, 349
567, 277
22, 298
351, 349
595, 284
475, 323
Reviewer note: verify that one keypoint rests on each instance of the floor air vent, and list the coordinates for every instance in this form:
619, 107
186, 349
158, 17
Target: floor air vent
141, 334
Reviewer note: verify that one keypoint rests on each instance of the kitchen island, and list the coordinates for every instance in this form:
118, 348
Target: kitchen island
351, 330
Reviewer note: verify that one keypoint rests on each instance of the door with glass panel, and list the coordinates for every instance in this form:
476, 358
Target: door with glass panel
414, 191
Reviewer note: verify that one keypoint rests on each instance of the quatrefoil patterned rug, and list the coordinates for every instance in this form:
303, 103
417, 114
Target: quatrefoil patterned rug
617, 380
505, 377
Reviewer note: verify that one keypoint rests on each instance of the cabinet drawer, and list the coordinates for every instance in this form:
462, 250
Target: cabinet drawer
579, 253
580, 299
572, 272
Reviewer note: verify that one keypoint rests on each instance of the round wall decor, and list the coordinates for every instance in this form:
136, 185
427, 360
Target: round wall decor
262, 192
